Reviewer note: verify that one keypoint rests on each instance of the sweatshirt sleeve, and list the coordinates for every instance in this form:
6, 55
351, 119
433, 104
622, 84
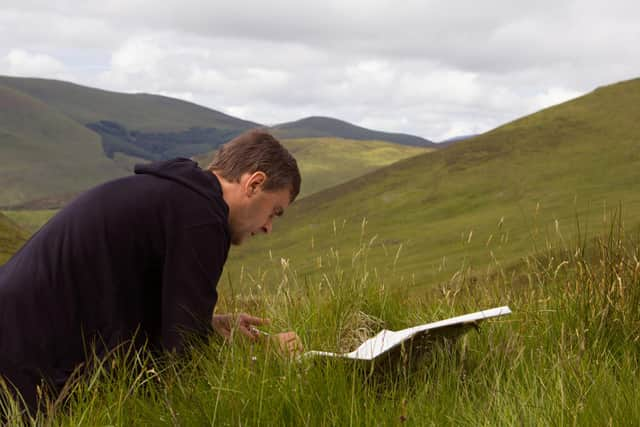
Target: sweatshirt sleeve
193, 264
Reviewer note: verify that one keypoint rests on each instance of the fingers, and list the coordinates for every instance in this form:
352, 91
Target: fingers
249, 332
247, 319
246, 322
221, 324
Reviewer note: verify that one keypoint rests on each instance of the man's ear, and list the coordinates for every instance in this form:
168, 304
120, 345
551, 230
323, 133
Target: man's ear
255, 182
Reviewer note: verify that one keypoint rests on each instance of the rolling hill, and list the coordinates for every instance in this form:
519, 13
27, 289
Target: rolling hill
145, 126
44, 152
326, 162
141, 111
316, 127
481, 202
59, 138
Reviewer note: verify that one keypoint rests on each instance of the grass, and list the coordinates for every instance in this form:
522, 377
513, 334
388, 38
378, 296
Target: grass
29, 220
12, 236
568, 355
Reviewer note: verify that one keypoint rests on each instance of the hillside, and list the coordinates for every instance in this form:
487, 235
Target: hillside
11, 238
326, 162
89, 135
44, 152
328, 127
141, 111
481, 202
59, 138
145, 126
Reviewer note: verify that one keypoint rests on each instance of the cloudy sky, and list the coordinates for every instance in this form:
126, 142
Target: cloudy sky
432, 68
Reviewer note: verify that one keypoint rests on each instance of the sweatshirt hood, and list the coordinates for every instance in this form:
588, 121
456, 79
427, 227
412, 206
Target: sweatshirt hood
185, 172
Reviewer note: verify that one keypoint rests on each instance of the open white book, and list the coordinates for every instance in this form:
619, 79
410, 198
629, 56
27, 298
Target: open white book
386, 341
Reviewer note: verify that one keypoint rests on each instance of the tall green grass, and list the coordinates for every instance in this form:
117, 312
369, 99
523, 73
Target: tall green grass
568, 355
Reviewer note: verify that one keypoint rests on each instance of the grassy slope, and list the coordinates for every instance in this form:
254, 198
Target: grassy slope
44, 152
488, 199
568, 355
11, 238
136, 111
30, 220
326, 162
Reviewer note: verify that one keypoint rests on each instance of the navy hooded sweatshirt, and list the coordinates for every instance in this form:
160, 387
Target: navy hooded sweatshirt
138, 256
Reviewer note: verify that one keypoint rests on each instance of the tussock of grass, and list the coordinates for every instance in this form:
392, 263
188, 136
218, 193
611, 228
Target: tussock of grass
570, 353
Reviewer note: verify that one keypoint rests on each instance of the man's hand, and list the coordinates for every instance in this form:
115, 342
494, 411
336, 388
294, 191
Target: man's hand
226, 324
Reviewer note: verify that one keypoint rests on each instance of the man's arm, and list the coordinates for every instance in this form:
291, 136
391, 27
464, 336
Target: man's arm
192, 267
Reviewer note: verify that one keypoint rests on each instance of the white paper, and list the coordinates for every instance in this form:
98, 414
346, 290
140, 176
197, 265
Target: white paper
385, 340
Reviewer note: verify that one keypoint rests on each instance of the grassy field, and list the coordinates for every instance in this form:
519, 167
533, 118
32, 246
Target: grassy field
568, 355
327, 162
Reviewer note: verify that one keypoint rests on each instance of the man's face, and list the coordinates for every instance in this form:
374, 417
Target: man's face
259, 210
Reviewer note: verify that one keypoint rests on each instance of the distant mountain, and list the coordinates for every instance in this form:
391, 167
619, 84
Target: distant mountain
315, 127
141, 112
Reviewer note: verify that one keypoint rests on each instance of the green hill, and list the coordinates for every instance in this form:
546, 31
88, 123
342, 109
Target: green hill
78, 136
481, 202
141, 111
11, 238
58, 138
150, 127
44, 152
326, 162
316, 127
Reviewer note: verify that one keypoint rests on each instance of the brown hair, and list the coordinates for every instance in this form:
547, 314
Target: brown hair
257, 150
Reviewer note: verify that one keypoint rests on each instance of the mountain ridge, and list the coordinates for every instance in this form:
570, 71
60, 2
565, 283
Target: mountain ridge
321, 126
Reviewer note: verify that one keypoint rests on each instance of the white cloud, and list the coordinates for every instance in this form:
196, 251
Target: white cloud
431, 68
20, 62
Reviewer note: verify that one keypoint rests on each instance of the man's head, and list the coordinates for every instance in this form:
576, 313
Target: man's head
259, 179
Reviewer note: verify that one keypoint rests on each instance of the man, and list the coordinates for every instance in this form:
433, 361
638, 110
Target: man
138, 258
